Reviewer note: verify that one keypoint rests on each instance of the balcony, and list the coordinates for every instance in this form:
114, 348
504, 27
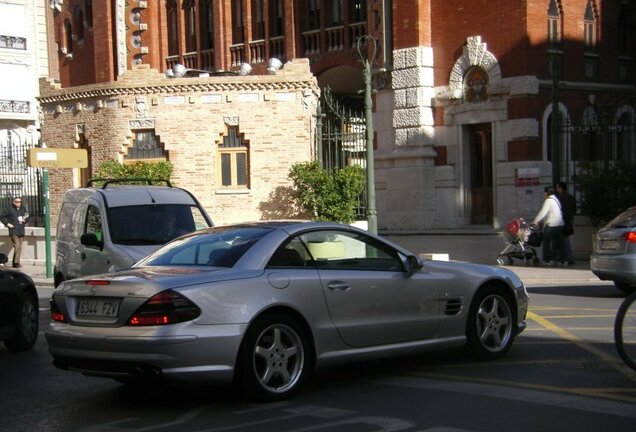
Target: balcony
332, 39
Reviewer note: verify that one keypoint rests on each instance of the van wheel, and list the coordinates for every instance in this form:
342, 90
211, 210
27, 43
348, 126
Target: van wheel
59, 278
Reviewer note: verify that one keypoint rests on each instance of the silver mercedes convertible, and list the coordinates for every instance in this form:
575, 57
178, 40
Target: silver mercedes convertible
265, 303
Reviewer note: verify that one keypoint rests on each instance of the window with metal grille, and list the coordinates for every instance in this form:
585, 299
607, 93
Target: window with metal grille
232, 160
146, 145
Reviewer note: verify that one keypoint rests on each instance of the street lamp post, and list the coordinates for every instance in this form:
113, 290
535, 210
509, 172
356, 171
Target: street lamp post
372, 213
555, 124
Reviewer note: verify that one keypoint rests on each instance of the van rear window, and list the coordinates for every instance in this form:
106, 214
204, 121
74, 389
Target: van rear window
153, 224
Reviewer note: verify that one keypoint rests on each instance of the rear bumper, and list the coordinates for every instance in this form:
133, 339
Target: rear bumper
208, 353
614, 267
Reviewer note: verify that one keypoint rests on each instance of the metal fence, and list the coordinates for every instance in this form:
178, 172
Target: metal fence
18, 179
341, 138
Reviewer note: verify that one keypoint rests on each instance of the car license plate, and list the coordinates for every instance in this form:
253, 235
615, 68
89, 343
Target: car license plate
97, 308
609, 244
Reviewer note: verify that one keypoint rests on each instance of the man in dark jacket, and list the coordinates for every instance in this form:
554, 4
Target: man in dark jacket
15, 218
568, 208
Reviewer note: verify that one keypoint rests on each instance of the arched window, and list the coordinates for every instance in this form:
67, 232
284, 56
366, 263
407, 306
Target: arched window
589, 27
78, 16
554, 25
173, 27
68, 36
190, 25
206, 24
233, 160
590, 40
89, 13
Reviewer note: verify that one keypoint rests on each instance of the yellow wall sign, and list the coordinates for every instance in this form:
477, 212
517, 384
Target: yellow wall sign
57, 158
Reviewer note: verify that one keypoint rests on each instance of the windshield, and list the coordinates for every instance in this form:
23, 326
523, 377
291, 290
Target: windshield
627, 219
218, 247
153, 224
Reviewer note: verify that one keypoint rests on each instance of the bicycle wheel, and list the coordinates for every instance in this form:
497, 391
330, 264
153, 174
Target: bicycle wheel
625, 330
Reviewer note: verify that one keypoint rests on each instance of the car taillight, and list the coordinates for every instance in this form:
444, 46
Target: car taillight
630, 237
167, 307
56, 315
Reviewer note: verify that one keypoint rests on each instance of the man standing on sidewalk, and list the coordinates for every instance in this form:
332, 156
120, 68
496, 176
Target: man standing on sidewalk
15, 218
568, 207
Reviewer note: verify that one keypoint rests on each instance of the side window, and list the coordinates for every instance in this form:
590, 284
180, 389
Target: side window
348, 250
293, 254
94, 222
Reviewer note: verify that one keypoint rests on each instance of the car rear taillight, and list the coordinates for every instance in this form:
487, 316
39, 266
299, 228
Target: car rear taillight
56, 315
167, 307
630, 237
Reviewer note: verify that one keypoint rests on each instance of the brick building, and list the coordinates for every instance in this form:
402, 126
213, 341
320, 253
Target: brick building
464, 99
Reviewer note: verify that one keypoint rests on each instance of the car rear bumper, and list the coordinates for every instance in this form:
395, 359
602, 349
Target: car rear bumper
617, 268
208, 353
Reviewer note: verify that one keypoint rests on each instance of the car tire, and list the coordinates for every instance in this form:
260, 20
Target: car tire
27, 326
273, 359
59, 278
491, 323
626, 287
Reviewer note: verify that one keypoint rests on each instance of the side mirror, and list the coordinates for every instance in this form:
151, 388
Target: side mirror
91, 240
413, 264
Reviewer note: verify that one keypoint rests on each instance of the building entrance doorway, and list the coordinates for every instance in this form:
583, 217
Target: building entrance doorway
481, 188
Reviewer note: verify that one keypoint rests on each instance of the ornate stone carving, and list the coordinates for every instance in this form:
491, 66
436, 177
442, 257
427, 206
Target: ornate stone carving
231, 120
142, 123
141, 107
475, 53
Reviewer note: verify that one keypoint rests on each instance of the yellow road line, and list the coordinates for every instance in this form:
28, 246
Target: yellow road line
565, 334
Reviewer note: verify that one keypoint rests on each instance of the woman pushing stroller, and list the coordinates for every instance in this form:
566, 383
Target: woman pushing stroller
551, 217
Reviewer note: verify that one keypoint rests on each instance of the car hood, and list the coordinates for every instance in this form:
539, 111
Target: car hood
147, 281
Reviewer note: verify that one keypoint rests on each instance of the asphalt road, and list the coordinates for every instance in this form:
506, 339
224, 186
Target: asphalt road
562, 374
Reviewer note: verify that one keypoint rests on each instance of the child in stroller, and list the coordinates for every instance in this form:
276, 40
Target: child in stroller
521, 239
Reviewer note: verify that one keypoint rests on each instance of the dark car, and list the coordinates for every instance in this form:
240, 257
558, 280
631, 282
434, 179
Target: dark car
19, 314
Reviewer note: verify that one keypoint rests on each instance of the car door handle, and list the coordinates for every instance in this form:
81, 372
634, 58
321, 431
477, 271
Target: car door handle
338, 286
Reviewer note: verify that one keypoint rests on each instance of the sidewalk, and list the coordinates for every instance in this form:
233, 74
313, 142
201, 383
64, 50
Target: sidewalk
482, 249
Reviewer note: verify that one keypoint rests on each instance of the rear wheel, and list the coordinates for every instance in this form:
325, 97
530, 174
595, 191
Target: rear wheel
273, 359
27, 323
491, 323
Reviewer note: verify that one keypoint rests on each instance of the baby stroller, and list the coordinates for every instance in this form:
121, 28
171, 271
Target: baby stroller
521, 239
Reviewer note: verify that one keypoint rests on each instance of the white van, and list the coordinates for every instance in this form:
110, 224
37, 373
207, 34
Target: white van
107, 228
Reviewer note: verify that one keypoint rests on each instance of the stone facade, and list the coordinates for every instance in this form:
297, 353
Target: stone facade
190, 116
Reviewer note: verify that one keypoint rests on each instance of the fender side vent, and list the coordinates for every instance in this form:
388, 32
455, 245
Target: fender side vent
454, 306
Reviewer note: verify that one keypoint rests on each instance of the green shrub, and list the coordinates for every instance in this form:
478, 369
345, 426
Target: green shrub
606, 191
328, 196
139, 169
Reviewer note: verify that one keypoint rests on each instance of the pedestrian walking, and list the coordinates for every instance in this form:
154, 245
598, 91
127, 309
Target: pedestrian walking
15, 218
568, 208
551, 218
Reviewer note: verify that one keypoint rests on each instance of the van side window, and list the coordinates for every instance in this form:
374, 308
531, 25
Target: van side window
94, 222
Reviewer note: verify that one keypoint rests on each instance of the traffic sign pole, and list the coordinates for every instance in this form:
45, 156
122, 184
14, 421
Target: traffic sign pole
47, 223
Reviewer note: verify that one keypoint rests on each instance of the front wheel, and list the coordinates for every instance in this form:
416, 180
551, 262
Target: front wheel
27, 323
274, 357
491, 323
625, 330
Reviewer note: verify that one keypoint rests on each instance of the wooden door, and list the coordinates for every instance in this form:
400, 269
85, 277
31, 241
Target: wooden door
481, 189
